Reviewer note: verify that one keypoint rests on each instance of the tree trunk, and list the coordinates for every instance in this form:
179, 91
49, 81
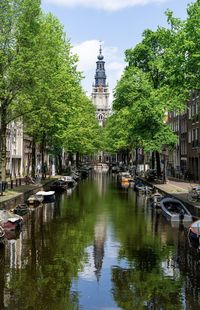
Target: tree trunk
128, 156
136, 158
42, 158
158, 164
71, 158
144, 160
153, 160
60, 163
77, 159
33, 157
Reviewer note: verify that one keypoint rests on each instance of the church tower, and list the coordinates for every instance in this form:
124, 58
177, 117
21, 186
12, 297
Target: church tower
100, 91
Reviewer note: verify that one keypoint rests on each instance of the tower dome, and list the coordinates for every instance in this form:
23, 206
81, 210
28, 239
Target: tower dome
100, 56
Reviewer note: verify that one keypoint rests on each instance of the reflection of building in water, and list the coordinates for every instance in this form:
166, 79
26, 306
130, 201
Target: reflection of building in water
48, 212
99, 242
95, 253
14, 252
102, 182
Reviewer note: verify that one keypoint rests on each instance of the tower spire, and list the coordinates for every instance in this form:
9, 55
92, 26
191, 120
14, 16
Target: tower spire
100, 48
100, 76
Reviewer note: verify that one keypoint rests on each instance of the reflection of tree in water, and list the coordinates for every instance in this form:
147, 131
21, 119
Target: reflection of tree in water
134, 289
2, 275
189, 264
56, 251
150, 281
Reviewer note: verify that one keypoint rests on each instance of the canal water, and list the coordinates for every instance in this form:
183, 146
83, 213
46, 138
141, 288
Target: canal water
99, 247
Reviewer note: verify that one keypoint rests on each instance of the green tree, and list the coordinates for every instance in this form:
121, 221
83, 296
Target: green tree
19, 20
182, 58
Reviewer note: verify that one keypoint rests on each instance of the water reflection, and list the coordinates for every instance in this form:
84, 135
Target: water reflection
99, 247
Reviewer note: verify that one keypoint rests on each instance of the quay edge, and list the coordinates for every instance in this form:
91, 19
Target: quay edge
20, 197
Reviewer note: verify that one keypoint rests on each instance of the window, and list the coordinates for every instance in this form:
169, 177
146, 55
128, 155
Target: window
189, 112
100, 117
193, 134
190, 136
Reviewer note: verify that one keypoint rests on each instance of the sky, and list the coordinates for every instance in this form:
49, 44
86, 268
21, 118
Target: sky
119, 24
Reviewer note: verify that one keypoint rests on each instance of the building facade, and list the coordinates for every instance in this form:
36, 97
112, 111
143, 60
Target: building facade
14, 146
184, 160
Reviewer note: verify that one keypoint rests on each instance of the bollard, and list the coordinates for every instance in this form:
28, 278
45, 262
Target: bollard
20, 181
16, 182
11, 184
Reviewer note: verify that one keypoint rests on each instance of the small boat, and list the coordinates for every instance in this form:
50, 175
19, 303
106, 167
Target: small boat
35, 200
115, 169
69, 181
174, 210
47, 196
125, 177
76, 175
12, 234
59, 186
101, 167
194, 234
21, 209
84, 171
8, 220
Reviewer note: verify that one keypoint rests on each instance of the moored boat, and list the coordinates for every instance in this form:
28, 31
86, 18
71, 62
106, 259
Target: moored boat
101, 167
34, 200
8, 220
48, 196
174, 210
21, 209
125, 177
59, 186
194, 234
69, 181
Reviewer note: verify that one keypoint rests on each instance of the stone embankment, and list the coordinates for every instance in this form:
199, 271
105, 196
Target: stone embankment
20, 194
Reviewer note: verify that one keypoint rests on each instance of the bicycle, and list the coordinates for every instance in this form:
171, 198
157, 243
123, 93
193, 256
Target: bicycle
194, 194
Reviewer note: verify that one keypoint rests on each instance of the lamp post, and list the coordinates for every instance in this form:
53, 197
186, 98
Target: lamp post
164, 166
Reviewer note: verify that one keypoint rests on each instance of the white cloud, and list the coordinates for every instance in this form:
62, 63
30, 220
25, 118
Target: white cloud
115, 66
109, 5
87, 52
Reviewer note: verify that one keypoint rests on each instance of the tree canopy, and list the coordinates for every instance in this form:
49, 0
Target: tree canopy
161, 72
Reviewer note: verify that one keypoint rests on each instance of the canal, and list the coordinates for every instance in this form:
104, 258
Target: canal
99, 247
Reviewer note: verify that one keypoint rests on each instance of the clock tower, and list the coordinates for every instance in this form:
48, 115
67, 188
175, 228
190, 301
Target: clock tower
100, 91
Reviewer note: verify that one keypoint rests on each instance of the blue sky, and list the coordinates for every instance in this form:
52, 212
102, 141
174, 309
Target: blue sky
118, 23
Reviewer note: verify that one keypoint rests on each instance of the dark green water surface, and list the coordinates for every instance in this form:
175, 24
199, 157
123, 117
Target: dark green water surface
99, 247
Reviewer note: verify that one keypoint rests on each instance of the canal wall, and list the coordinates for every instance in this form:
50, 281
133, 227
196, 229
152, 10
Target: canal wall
21, 197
